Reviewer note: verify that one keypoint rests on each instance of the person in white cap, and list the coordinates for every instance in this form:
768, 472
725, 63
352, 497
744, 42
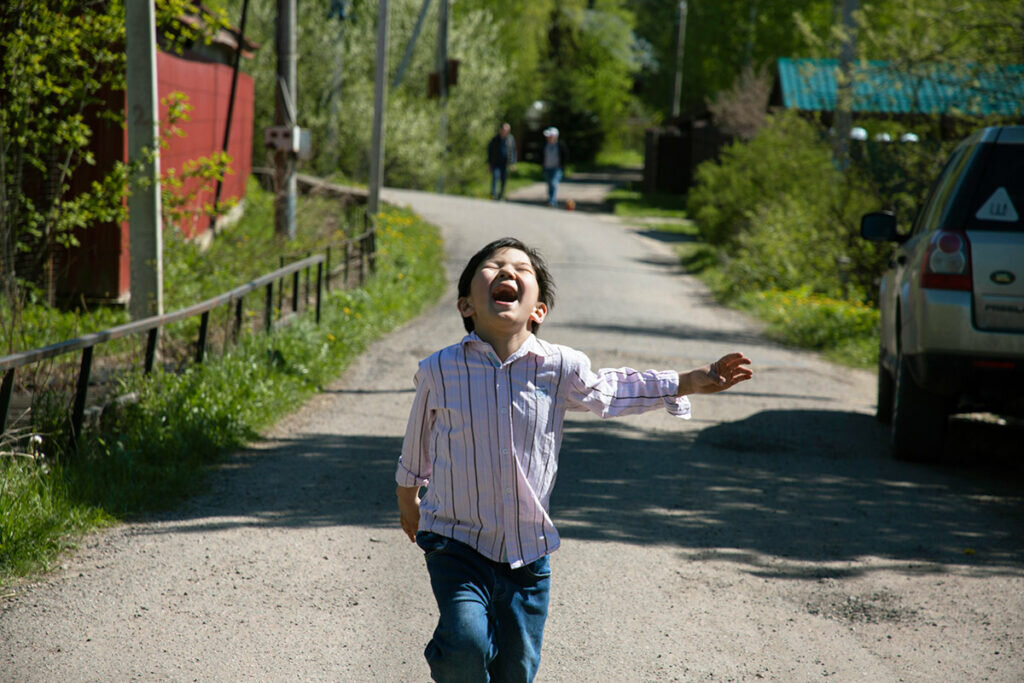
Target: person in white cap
556, 154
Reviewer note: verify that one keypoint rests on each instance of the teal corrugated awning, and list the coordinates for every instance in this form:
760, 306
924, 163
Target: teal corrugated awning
879, 87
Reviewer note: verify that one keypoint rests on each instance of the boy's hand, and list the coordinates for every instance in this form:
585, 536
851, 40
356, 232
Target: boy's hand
724, 373
409, 509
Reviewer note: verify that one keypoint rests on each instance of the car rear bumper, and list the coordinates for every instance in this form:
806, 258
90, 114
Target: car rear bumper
943, 323
948, 355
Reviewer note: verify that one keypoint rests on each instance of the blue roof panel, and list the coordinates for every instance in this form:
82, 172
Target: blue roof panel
879, 87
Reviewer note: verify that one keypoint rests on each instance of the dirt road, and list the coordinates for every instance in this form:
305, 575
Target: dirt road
770, 538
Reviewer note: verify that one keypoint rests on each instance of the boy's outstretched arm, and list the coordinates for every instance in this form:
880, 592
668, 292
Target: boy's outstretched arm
409, 509
726, 372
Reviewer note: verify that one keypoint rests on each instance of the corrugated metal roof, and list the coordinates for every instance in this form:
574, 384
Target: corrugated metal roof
810, 85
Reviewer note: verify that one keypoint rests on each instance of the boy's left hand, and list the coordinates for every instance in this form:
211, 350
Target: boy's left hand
724, 373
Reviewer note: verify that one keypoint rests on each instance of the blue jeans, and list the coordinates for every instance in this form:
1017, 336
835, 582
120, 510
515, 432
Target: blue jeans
552, 176
499, 175
492, 617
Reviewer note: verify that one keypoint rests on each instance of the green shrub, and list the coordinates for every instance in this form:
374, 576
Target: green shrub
786, 158
793, 242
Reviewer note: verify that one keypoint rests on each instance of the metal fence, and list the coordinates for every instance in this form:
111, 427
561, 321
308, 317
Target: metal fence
357, 262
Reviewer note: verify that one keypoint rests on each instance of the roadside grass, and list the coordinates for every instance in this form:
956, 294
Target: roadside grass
632, 203
151, 453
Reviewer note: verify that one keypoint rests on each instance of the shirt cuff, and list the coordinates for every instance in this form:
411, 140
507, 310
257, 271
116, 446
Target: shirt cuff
678, 406
406, 477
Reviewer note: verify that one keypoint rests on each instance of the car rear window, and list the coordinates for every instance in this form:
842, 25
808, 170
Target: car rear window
996, 200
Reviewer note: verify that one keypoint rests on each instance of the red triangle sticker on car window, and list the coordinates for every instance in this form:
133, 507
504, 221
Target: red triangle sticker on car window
999, 207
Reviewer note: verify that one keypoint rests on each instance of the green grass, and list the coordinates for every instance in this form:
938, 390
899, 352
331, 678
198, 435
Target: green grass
628, 158
631, 203
151, 454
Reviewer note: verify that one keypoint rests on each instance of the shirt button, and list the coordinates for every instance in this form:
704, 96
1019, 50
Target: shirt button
504, 451
508, 491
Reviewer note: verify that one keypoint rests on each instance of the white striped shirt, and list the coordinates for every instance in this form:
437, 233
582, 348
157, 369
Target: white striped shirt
483, 436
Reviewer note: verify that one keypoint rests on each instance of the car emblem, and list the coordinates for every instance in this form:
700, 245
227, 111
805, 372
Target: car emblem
1002, 277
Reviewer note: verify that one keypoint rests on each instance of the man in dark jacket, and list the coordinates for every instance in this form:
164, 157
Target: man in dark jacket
501, 156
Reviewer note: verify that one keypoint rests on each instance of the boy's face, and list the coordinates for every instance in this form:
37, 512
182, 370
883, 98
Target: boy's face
504, 295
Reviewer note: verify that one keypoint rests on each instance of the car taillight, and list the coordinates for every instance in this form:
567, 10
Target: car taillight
947, 262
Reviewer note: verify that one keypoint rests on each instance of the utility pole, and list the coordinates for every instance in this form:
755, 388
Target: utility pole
380, 101
285, 115
442, 78
146, 260
844, 83
677, 90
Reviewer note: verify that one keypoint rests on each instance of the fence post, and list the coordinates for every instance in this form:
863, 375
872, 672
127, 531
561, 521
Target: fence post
268, 310
237, 331
328, 285
204, 325
295, 292
305, 294
8, 386
319, 288
362, 259
151, 339
280, 288
78, 412
348, 258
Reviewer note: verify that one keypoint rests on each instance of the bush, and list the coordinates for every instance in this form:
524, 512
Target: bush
786, 158
784, 216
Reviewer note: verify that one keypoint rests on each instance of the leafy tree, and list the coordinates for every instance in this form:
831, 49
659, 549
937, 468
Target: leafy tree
722, 38
336, 71
593, 58
62, 60
59, 58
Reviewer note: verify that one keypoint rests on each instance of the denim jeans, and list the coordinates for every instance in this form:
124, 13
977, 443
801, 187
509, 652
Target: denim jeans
491, 616
552, 176
499, 175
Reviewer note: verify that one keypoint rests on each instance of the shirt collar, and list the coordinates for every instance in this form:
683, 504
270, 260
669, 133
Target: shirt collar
531, 345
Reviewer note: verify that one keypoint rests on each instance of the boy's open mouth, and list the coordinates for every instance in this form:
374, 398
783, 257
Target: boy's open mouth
505, 292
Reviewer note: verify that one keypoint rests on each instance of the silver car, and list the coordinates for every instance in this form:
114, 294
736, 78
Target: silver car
952, 299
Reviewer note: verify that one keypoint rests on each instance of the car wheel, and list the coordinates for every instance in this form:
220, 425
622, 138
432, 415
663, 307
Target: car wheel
919, 419
886, 389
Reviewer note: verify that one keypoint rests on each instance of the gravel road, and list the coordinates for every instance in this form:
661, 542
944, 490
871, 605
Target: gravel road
769, 538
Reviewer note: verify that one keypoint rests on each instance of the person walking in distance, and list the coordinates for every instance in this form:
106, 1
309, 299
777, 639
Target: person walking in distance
501, 157
483, 437
555, 157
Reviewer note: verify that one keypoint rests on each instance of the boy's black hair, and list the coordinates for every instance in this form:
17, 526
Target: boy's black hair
545, 282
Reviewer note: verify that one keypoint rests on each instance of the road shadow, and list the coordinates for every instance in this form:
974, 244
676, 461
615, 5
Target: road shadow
804, 485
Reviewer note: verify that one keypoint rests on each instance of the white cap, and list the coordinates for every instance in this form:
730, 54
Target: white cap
908, 137
551, 131
858, 133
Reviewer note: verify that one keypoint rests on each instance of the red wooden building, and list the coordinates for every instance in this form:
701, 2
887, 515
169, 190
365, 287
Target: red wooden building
98, 269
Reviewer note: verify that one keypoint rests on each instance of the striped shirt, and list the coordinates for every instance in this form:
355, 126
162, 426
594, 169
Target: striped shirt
483, 436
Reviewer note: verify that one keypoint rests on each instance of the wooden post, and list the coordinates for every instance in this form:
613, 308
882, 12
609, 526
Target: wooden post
146, 269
